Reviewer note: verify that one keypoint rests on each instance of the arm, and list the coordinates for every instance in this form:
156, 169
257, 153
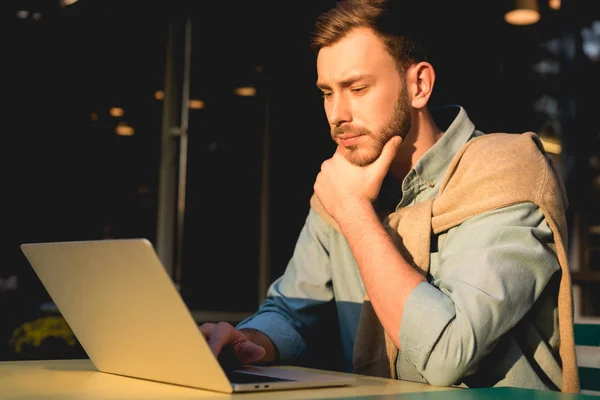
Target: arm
263, 341
299, 298
347, 193
491, 270
388, 278
487, 276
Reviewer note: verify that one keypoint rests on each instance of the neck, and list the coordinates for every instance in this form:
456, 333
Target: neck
423, 134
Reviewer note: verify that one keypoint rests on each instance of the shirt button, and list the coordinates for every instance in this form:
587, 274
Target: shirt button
431, 184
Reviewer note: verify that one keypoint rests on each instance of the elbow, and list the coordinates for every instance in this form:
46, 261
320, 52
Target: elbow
447, 371
443, 376
451, 360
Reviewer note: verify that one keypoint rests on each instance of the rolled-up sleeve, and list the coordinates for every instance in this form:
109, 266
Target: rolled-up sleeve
487, 275
297, 300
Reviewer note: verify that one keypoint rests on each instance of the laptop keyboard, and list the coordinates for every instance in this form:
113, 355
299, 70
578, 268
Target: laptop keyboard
243, 377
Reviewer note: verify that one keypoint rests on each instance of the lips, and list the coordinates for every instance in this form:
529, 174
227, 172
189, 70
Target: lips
348, 140
347, 136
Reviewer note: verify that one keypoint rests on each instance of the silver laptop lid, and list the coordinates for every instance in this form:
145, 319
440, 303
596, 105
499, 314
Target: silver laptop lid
113, 295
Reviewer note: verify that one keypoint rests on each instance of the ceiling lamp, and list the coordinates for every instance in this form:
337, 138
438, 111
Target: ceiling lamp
122, 129
196, 104
116, 112
525, 12
245, 91
65, 3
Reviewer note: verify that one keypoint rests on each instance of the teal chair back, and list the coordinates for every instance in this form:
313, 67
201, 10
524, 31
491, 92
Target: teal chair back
587, 342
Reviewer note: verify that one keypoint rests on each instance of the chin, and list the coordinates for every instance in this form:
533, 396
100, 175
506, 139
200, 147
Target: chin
360, 157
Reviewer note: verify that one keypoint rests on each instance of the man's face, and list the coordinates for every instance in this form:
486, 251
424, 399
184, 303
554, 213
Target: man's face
365, 99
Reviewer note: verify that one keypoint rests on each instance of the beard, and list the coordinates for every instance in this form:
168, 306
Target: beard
399, 125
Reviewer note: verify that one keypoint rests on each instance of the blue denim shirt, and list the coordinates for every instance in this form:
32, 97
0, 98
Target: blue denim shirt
458, 328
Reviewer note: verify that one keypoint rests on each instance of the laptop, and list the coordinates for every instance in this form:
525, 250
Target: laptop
130, 319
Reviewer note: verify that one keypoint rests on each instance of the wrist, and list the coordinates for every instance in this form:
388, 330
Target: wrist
354, 214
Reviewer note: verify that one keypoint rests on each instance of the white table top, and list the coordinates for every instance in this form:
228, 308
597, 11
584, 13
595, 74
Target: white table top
78, 380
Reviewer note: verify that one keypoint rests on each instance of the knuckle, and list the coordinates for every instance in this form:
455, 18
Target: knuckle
224, 326
207, 327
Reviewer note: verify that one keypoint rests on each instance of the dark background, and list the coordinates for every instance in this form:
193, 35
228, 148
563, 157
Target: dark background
68, 177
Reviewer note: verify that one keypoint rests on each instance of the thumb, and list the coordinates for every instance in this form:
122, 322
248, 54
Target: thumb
389, 151
249, 352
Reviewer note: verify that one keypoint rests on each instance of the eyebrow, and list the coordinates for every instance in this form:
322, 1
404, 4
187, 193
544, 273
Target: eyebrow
347, 81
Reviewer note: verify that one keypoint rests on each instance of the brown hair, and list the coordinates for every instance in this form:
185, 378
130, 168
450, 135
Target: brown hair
391, 21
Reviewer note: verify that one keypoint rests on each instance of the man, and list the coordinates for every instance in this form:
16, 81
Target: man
451, 241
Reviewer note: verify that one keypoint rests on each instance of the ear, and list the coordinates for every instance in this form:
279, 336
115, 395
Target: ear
420, 79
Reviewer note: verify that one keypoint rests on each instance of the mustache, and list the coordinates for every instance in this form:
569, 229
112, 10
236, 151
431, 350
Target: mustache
340, 130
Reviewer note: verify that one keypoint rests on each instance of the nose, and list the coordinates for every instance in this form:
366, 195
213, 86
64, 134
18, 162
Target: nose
338, 111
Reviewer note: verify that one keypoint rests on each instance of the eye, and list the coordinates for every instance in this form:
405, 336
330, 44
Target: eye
327, 95
359, 90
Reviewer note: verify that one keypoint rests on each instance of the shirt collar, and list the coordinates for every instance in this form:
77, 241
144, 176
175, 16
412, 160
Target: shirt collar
423, 180
432, 166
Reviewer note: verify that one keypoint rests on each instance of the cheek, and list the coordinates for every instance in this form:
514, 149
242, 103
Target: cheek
377, 114
381, 105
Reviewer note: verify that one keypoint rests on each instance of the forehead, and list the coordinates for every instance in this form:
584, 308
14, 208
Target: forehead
360, 51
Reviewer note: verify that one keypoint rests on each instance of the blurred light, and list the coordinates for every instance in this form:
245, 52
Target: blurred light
22, 14
37, 16
64, 3
116, 112
547, 67
591, 41
526, 12
123, 129
159, 95
9, 284
245, 91
94, 116
547, 105
196, 104
597, 185
554, 4
551, 145
553, 46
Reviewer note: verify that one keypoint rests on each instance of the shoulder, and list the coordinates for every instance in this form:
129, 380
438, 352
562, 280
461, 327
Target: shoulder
494, 171
500, 148
509, 157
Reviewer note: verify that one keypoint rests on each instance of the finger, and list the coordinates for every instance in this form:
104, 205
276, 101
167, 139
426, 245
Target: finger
389, 151
244, 350
207, 329
222, 334
248, 352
